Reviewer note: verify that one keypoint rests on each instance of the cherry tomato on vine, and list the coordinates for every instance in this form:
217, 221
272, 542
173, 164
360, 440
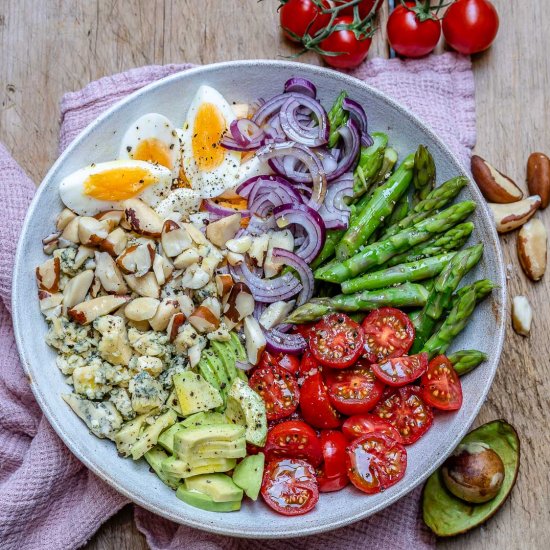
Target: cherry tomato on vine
300, 16
289, 362
336, 341
412, 30
332, 475
441, 386
470, 26
289, 486
354, 390
315, 404
376, 462
361, 424
294, 439
365, 7
388, 333
405, 410
350, 49
278, 388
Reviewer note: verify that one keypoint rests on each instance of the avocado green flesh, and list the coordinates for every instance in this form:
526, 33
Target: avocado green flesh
248, 474
447, 515
204, 502
219, 487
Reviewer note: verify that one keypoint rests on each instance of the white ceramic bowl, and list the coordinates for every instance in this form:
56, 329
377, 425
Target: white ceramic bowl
238, 81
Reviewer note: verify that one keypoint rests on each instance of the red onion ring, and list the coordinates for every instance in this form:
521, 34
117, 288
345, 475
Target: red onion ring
300, 266
273, 152
334, 211
273, 106
357, 112
310, 220
222, 211
349, 156
301, 86
312, 136
279, 342
247, 186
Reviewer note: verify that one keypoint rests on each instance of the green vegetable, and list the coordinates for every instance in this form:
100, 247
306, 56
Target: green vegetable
380, 252
149, 436
466, 360
155, 457
219, 487
453, 325
195, 394
376, 210
424, 174
388, 162
205, 502
248, 474
441, 294
405, 295
337, 117
370, 162
482, 289
413, 271
447, 515
333, 237
453, 239
400, 211
436, 199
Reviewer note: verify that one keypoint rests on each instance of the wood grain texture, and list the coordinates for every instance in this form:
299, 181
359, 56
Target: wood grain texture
51, 46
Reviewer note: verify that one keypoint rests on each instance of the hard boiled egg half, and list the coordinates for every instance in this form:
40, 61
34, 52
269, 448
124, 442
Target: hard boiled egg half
208, 167
103, 186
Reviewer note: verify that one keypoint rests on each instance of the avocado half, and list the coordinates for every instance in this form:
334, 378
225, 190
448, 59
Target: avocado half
447, 515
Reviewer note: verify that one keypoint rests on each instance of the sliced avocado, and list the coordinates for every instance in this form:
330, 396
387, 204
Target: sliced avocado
166, 438
219, 487
207, 372
248, 474
238, 348
253, 409
225, 352
155, 457
242, 375
149, 437
180, 468
188, 442
172, 402
204, 502
225, 449
217, 366
195, 394
447, 515
204, 419
234, 413
129, 434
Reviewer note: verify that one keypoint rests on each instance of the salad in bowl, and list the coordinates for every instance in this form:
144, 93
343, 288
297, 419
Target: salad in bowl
259, 300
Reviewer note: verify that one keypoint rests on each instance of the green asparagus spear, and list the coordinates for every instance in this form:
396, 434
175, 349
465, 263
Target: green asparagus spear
413, 271
436, 199
380, 252
370, 162
482, 288
337, 117
400, 211
452, 326
388, 162
332, 239
424, 174
379, 207
441, 295
405, 295
466, 360
453, 239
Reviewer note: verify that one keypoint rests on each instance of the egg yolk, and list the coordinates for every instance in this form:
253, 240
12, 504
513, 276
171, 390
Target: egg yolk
208, 130
118, 184
153, 150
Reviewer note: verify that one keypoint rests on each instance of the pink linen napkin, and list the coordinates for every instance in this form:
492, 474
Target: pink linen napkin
48, 499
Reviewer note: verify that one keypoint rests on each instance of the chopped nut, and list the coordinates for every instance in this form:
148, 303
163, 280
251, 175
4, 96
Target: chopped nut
522, 315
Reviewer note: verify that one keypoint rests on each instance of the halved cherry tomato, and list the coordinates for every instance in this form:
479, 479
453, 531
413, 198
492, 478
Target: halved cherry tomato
289, 486
362, 424
336, 341
405, 410
300, 16
332, 475
388, 333
315, 404
304, 329
441, 387
308, 365
296, 415
294, 439
291, 363
376, 462
399, 371
278, 389
354, 390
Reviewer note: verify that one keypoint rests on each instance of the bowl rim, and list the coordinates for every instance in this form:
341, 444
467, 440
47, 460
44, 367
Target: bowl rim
96, 466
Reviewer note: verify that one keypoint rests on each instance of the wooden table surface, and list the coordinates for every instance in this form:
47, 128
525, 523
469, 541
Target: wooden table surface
51, 46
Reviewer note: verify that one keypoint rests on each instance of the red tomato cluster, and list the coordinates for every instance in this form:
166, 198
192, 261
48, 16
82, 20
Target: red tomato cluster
347, 408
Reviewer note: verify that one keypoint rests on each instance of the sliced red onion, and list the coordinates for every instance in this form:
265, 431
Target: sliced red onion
245, 136
245, 188
273, 106
300, 266
309, 219
275, 152
301, 86
279, 342
350, 150
245, 365
357, 112
267, 290
330, 161
277, 185
222, 211
312, 136
334, 211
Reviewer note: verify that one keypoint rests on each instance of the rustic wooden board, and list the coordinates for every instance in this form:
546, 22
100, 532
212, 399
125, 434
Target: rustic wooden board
47, 47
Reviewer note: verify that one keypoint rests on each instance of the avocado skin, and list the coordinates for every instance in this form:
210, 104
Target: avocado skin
204, 502
447, 515
248, 474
